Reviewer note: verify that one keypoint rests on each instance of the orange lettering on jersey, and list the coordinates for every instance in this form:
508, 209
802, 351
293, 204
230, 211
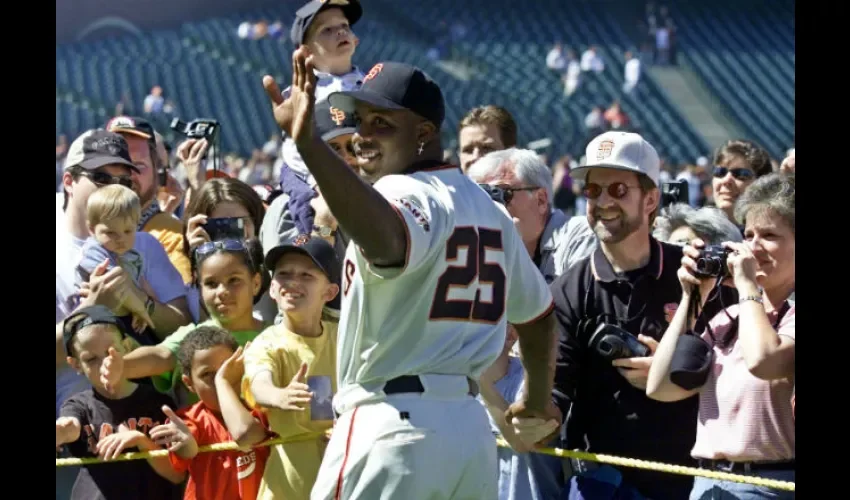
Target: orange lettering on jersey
349, 277
91, 442
146, 424
373, 72
338, 116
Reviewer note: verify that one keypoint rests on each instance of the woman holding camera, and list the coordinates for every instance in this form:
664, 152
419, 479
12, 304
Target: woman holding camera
218, 205
744, 373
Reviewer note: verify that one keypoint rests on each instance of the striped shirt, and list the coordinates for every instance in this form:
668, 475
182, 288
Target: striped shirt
743, 418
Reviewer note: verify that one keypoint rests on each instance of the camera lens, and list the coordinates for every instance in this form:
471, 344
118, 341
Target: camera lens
605, 347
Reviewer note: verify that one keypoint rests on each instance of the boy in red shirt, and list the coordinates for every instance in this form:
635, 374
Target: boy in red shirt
212, 366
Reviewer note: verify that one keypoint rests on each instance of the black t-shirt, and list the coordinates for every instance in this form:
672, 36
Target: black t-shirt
100, 417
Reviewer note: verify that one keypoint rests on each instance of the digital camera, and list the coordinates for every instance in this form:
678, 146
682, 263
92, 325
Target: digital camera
225, 228
202, 128
674, 192
712, 262
612, 342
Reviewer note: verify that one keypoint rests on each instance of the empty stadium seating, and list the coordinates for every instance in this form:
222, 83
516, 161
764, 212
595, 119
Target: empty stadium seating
207, 70
745, 54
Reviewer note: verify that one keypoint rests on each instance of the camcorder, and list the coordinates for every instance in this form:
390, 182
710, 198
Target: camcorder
225, 228
674, 192
712, 262
202, 128
612, 342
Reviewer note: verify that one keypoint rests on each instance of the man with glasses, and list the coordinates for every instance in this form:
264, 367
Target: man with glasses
629, 282
518, 179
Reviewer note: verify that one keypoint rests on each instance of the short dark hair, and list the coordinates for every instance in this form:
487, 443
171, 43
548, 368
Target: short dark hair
76, 172
756, 156
202, 337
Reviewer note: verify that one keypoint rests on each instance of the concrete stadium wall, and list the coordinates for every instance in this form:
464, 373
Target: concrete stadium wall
93, 19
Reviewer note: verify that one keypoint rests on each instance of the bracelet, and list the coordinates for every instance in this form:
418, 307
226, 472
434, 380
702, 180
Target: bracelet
754, 298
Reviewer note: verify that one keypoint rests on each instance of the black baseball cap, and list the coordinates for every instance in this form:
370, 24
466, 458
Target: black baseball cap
394, 85
322, 253
132, 125
333, 122
351, 9
97, 148
87, 316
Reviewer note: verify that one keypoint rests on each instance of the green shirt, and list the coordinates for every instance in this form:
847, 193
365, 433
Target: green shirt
168, 380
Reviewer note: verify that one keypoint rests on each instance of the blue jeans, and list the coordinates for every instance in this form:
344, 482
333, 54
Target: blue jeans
713, 489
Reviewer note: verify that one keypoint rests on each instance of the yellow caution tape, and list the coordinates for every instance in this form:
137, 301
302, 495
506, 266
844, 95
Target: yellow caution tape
555, 452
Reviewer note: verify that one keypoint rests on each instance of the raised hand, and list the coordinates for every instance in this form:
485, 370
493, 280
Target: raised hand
294, 114
296, 396
111, 370
172, 435
233, 368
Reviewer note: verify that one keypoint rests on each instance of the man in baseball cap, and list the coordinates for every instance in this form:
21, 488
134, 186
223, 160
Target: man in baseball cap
132, 125
101, 157
402, 95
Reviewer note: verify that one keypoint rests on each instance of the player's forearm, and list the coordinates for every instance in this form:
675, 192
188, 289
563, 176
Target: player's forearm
243, 427
365, 215
148, 361
538, 348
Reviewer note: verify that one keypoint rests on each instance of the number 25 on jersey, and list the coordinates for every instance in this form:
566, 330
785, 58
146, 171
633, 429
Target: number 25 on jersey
461, 274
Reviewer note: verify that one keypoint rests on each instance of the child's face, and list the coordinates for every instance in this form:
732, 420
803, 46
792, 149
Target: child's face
228, 287
330, 38
342, 146
117, 235
91, 345
205, 364
299, 285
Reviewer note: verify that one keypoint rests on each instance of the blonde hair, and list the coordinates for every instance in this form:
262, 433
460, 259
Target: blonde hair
113, 202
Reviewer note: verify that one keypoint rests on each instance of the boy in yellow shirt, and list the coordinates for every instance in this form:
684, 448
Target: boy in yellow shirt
290, 368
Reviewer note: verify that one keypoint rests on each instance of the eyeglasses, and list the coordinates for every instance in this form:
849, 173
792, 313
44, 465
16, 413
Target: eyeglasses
616, 190
742, 174
104, 179
504, 194
229, 245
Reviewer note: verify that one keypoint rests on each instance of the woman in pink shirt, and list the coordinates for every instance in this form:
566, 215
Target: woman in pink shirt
745, 424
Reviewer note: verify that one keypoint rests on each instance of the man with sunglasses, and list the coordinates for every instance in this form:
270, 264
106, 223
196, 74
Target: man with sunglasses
629, 282
98, 158
519, 180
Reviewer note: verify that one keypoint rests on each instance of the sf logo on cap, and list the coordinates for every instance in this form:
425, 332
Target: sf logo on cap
337, 115
604, 151
373, 72
301, 240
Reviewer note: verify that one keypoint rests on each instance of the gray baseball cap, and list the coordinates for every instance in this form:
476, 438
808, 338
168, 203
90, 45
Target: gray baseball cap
621, 151
97, 148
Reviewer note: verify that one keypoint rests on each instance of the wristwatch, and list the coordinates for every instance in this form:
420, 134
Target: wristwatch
324, 231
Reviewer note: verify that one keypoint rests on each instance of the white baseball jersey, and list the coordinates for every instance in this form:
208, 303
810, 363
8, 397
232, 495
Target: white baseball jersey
466, 274
326, 84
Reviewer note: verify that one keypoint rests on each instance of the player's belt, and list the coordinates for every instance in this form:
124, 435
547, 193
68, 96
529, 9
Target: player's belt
407, 384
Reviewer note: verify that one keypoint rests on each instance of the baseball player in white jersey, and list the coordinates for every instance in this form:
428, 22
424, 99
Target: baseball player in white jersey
325, 27
434, 271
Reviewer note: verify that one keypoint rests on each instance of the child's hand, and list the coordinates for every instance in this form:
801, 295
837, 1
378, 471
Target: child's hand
137, 307
297, 394
172, 435
64, 425
234, 368
113, 445
111, 370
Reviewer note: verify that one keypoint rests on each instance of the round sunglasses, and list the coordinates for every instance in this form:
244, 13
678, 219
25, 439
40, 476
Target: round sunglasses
504, 194
104, 179
742, 174
616, 190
